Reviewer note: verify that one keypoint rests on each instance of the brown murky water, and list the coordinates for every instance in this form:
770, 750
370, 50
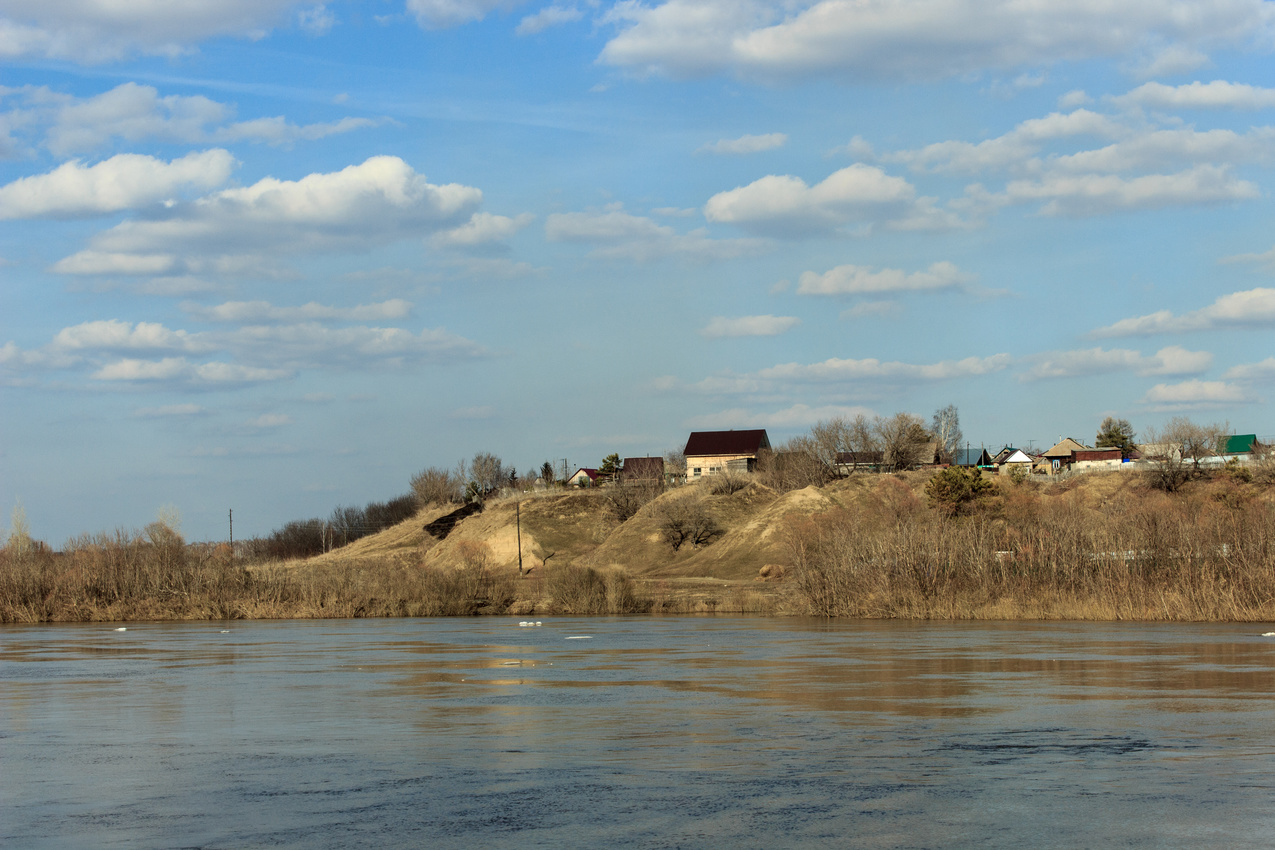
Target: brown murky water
593, 732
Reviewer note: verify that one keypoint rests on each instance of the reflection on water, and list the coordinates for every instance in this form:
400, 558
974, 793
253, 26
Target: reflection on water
655, 732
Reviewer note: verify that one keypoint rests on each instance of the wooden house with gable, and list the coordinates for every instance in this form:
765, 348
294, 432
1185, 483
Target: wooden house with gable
713, 452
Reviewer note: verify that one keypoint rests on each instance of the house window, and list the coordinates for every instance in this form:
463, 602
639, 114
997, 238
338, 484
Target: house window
697, 470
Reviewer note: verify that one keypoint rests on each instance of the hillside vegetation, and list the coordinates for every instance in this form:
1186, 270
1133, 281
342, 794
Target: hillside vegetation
1098, 546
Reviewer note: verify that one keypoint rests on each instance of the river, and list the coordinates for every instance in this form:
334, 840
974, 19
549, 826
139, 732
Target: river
642, 731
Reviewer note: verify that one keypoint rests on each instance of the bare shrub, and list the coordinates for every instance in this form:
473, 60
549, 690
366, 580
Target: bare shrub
626, 498
794, 465
727, 482
687, 520
435, 486
585, 590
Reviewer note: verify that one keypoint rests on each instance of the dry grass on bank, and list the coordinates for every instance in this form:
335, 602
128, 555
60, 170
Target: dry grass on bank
1109, 551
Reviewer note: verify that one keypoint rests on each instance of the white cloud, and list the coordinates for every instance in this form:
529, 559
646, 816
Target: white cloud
872, 309
1010, 150
1218, 94
786, 205
864, 280
1249, 308
746, 144
89, 31
797, 416
1194, 395
125, 181
916, 39
270, 420
181, 370
441, 14
264, 311
721, 326
317, 20
482, 228
312, 344
115, 335
244, 230
870, 369
169, 410
1263, 370
622, 235
549, 16
1099, 194
135, 112
1173, 360
1167, 148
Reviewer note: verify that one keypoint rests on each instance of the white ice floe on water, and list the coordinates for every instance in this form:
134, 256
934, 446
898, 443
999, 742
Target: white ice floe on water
1268, 634
121, 629
579, 637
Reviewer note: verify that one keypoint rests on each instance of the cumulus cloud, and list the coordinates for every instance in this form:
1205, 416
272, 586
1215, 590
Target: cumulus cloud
549, 16
1218, 94
872, 369
1173, 360
441, 14
796, 416
89, 31
118, 351
1010, 150
1099, 194
864, 280
123, 182
786, 205
1249, 308
181, 370
264, 311
746, 144
721, 326
1263, 370
169, 410
115, 335
240, 230
1194, 395
916, 39
134, 112
482, 228
621, 235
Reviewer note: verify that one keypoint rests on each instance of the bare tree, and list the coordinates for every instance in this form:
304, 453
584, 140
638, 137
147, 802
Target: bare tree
1175, 451
946, 428
436, 486
487, 473
675, 464
903, 439
828, 439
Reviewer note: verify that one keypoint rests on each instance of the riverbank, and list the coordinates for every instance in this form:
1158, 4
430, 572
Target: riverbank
1096, 547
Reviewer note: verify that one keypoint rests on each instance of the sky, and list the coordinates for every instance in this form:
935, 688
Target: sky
276, 257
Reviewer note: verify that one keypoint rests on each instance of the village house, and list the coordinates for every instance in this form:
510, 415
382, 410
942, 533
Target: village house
583, 477
635, 469
1060, 457
971, 458
1009, 459
714, 452
1083, 460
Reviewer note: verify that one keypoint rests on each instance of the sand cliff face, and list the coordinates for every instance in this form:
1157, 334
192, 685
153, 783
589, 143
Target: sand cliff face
579, 528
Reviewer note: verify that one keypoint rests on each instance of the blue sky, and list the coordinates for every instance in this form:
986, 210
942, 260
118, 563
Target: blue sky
278, 257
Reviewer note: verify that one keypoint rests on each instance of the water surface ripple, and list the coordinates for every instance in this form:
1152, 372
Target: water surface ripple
650, 732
